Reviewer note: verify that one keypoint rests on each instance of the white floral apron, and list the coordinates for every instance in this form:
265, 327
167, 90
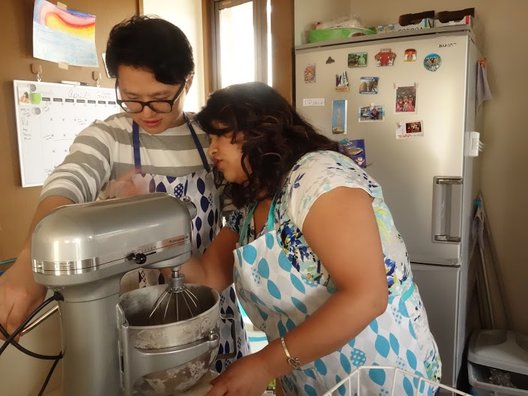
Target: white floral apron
277, 299
201, 189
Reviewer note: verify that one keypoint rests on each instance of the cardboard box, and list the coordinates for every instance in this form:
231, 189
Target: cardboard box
425, 23
467, 20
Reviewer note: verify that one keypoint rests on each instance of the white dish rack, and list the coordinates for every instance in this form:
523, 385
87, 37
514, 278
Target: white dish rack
355, 383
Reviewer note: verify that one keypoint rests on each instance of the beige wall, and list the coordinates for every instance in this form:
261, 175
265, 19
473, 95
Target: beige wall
17, 204
502, 39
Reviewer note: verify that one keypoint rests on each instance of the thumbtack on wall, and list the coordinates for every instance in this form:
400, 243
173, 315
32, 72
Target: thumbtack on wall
96, 76
36, 68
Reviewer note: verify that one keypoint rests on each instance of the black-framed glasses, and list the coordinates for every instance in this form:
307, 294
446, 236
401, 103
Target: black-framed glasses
158, 106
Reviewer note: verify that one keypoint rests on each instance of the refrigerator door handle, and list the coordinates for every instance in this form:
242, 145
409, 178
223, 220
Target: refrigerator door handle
447, 207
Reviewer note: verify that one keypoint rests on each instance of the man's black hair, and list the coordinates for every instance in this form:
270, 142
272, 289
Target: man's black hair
153, 44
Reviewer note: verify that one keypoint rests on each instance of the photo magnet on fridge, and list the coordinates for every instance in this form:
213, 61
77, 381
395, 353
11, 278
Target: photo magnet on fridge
385, 57
368, 85
409, 129
371, 113
432, 62
357, 59
405, 98
309, 73
339, 116
355, 149
409, 55
342, 84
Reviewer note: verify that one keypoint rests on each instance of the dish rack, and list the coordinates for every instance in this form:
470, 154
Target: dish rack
355, 384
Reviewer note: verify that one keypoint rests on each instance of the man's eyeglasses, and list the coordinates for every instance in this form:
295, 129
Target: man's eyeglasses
158, 106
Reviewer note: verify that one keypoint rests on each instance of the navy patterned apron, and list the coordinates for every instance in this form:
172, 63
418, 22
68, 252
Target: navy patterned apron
200, 187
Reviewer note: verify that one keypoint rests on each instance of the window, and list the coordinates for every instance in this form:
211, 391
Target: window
241, 39
249, 40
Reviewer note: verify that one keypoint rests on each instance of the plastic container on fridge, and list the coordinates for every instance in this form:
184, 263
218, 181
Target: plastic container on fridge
362, 382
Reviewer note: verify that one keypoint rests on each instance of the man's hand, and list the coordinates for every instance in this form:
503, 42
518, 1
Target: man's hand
19, 294
128, 185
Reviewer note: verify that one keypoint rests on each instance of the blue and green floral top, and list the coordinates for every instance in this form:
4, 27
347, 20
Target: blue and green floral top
313, 175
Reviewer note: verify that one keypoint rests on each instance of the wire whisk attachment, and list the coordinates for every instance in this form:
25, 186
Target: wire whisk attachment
176, 303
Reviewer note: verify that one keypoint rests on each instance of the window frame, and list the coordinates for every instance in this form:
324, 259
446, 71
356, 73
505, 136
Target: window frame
282, 32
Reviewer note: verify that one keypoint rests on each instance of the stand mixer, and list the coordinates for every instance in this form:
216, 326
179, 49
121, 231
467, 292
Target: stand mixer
110, 345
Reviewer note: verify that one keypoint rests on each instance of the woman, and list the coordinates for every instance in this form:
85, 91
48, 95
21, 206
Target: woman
318, 263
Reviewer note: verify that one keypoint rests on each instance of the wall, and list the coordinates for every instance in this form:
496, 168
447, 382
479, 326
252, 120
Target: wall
21, 375
16, 203
503, 162
307, 12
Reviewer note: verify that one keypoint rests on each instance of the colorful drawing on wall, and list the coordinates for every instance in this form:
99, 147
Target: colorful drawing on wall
342, 84
355, 149
409, 129
309, 73
405, 99
368, 85
63, 36
339, 116
357, 59
371, 113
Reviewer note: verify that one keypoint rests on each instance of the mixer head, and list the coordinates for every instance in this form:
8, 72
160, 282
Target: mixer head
82, 243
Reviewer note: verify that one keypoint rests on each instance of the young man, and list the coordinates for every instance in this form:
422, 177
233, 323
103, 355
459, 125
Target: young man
151, 146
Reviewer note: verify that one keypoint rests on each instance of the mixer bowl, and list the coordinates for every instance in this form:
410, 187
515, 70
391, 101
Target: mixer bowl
177, 380
145, 334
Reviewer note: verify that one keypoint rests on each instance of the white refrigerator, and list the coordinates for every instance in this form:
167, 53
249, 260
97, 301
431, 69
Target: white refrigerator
407, 101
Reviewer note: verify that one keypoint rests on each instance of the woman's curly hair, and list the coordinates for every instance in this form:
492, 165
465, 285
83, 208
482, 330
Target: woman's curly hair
275, 136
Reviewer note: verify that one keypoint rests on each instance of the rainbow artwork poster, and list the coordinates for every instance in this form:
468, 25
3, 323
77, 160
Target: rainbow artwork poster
63, 35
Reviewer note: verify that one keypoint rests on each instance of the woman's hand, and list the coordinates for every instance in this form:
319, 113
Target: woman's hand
248, 376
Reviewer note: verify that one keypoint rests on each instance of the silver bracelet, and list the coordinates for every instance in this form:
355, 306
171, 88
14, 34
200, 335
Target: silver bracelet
294, 362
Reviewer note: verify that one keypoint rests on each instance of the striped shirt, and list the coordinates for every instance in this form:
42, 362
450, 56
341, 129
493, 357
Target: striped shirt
103, 152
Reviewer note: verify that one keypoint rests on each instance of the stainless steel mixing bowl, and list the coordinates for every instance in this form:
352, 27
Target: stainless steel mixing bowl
146, 335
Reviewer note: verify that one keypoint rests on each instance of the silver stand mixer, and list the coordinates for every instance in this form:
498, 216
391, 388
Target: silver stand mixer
109, 342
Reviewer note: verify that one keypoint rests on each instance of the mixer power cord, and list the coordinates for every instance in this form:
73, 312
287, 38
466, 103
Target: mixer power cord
10, 339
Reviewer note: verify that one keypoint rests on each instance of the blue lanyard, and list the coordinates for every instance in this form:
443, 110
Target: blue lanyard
244, 231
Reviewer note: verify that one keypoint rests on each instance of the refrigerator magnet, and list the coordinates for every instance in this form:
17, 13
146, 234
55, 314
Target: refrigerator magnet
409, 55
339, 116
405, 99
342, 84
385, 57
371, 113
357, 59
309, 73
432, 62
368, 85
355, 149
409, 129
